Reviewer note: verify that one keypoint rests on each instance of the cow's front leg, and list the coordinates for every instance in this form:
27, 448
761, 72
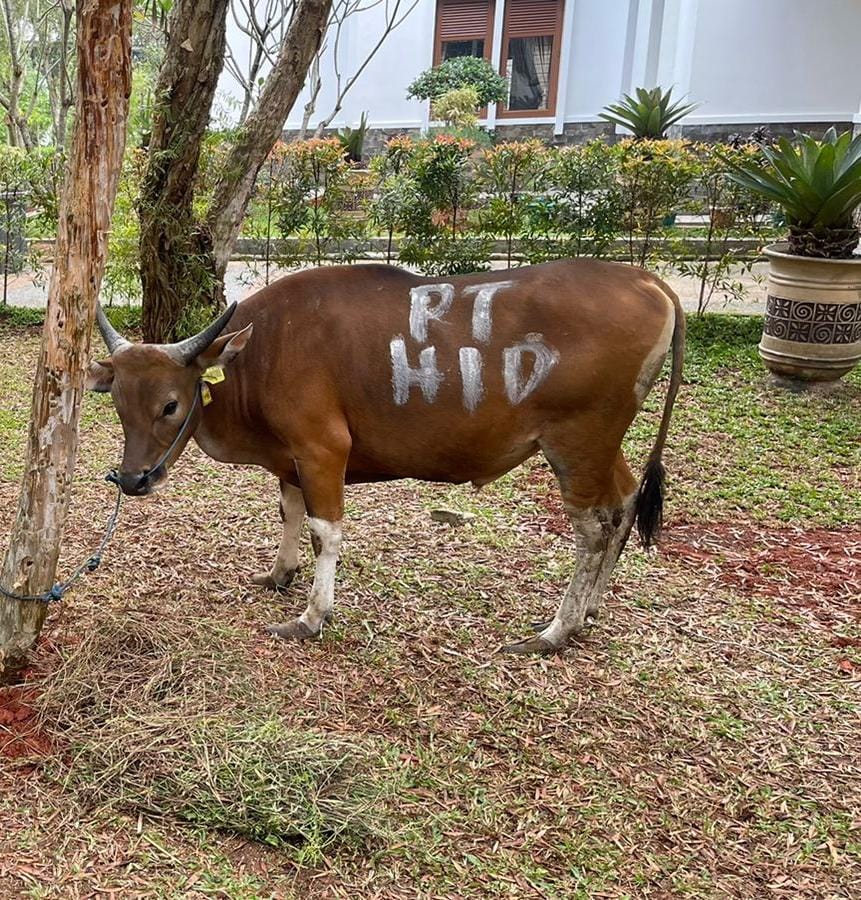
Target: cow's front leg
287, 561
322, 483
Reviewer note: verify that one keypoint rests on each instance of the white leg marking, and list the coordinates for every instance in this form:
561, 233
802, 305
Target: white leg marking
470, 373
512, 366
293, 508
427, 376
600, 535
322, 597
653, 363
482, 318
421, 311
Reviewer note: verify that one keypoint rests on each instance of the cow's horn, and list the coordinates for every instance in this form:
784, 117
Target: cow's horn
189, 349
112, 338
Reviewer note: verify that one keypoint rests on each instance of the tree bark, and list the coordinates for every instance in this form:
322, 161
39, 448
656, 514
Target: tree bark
176, 259
263, 128
103, 87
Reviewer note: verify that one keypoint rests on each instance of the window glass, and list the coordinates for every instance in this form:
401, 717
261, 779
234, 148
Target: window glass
451, 49
528, 69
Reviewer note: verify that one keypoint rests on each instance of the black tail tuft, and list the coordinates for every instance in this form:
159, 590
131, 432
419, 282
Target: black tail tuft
650, 502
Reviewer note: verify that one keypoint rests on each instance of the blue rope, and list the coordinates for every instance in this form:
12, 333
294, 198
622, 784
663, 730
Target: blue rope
55, 594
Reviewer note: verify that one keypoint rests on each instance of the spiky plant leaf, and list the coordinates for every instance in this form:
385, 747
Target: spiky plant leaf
649, 115
818, 185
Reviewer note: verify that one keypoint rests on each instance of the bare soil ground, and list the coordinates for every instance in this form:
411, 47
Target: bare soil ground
703, 740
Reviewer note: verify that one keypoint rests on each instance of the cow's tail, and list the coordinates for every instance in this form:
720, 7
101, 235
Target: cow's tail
649, 508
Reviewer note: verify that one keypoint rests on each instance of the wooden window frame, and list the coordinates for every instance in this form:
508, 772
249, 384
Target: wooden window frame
502, 110
487, 37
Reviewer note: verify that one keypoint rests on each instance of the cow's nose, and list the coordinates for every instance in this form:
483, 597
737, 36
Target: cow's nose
135, 483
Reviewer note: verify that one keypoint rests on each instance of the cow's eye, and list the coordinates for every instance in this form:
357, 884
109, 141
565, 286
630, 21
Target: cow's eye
170, 408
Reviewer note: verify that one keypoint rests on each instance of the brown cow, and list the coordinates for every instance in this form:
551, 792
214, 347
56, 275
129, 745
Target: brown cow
368, 373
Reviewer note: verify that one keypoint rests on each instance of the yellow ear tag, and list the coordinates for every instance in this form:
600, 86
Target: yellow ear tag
213, 375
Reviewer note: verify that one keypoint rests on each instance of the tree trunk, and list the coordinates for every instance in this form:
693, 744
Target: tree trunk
176, 259
103, 87
263, 127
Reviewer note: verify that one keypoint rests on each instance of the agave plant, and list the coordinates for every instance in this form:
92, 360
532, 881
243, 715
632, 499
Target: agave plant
353, 139
817, 184
650, 115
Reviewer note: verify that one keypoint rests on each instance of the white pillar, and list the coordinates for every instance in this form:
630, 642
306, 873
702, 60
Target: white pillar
430, 28
496, 56
564, 73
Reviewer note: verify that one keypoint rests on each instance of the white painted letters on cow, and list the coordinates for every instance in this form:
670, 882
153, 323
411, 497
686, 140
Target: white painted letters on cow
544, 359
482, 308
470, 373
427, 376
421, 310
519, 378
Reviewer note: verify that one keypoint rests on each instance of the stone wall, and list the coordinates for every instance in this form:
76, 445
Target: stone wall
777, 129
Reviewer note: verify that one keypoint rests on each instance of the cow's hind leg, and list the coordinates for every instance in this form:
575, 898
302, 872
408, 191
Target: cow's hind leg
601, 511
292, 508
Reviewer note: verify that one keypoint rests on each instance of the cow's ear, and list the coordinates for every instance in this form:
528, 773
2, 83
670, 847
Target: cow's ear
225, 348
100, 376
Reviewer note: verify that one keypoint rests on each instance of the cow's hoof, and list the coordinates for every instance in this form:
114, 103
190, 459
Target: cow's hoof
591, 619
536, 645
296, 630
265, 580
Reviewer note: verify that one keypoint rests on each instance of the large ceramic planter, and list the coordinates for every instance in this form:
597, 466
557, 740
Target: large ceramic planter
812, 329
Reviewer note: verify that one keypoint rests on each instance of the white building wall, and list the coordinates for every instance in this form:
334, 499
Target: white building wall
776, 61
598, 39
382, 87
744, 61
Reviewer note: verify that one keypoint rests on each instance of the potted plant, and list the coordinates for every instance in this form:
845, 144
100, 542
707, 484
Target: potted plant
812, 328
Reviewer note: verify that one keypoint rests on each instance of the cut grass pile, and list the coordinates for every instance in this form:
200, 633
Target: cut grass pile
159, 723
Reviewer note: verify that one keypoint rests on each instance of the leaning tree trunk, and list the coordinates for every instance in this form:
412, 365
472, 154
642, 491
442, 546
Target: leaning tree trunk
176, 257
103, 87
263, 128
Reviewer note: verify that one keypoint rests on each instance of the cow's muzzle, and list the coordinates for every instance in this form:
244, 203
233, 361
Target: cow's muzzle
138, 484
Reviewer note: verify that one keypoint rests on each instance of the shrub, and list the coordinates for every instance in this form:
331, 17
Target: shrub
510, 174
732, 211
122, 269
442, 192
460, 72
458, 107
311, 191
581, 212
395, 190
653, 179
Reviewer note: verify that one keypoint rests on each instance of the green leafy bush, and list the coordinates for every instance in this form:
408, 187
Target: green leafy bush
654, 179
731, 211
510, 174
311, 193
458, 107
580, 211
437, 219
460, 72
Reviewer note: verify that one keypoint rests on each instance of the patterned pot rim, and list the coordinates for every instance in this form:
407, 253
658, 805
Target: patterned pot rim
780, 251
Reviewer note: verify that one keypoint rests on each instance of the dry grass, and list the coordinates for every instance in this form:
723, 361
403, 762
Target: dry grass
156, 723
703, 741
